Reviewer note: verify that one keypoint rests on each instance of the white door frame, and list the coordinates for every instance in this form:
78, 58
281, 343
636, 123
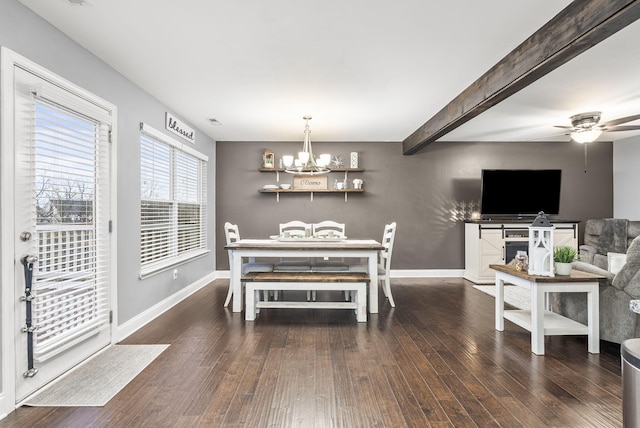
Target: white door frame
9, 60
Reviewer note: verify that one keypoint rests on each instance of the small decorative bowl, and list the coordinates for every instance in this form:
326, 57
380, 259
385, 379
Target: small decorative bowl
285, 186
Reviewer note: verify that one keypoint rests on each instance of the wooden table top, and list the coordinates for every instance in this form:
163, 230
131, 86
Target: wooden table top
305, 244
576, 275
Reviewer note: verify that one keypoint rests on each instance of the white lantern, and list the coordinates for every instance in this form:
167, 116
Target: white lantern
541, 246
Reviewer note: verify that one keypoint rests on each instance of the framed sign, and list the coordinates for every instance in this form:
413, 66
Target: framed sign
310, 182
172, 124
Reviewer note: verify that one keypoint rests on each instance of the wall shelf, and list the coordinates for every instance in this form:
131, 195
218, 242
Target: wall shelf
346, 172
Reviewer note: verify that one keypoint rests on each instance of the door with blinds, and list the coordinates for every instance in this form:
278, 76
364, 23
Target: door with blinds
62, 242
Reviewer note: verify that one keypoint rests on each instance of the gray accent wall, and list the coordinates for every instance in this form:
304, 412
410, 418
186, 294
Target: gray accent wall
30, 36
428, 194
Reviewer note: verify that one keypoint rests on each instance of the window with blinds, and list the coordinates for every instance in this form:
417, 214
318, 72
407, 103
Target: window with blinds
173, 201
70, 179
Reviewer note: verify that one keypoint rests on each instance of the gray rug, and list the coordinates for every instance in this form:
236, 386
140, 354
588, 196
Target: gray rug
96, 381
515, 296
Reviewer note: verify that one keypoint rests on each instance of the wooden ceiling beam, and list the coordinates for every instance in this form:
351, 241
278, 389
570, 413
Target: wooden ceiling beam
578, 27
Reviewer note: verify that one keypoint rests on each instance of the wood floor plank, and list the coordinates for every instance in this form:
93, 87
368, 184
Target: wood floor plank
435, 360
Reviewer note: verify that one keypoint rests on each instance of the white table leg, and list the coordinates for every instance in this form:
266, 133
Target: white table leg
499, 303
593, 315
537, 320
373, 285
236, 283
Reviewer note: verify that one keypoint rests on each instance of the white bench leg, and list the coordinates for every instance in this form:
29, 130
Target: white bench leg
250, 302
361, 299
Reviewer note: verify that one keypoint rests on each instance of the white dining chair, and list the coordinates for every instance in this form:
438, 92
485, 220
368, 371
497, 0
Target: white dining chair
327, 229
232, 234
294, 229
384, 262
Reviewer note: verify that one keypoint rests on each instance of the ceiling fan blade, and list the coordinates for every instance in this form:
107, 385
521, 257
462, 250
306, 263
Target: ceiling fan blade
623, 128
615, 122
563, 127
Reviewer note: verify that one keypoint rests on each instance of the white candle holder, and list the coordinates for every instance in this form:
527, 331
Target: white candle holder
541, 246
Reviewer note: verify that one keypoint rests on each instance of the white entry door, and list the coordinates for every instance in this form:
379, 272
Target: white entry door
62, 239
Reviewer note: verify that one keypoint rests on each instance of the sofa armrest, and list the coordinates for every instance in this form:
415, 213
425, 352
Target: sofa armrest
589, 268
586, 253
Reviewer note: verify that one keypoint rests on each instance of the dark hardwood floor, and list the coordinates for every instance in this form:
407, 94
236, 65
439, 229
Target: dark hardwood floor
434, 360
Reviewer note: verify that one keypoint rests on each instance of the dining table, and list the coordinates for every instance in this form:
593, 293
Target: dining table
303, 248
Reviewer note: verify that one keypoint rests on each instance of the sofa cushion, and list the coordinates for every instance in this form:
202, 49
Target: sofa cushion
614, 236
615, 261
601, 261
631, 267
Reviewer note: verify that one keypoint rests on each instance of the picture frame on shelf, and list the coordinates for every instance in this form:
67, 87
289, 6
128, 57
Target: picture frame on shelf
268, 159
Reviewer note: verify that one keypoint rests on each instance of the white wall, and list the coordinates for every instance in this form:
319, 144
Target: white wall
626, 178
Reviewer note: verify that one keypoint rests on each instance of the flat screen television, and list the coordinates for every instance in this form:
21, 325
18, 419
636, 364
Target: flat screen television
520, 192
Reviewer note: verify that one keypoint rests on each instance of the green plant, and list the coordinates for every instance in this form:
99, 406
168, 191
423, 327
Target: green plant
564, 254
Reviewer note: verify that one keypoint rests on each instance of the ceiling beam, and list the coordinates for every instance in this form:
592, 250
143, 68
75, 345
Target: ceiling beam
578, 27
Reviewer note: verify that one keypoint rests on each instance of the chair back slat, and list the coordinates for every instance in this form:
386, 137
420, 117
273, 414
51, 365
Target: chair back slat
296, 227
329, 226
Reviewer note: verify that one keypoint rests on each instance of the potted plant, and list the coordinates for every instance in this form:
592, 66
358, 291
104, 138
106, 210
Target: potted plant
563, 257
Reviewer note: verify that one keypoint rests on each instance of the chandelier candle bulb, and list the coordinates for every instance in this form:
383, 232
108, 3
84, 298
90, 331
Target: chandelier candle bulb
287, 160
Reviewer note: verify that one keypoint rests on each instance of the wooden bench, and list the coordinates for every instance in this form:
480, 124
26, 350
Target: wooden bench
343, 281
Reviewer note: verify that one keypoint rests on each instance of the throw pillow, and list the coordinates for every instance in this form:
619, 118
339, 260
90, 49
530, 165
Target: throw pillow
631, 268
615, 261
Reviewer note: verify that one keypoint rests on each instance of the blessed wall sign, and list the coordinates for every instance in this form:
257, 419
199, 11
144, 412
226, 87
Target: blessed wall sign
310, 182
172, 124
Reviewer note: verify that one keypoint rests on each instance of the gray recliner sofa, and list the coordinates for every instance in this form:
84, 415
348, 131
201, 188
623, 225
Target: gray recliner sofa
617, 321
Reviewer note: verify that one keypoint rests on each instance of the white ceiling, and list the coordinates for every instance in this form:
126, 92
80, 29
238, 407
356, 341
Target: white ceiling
365, 70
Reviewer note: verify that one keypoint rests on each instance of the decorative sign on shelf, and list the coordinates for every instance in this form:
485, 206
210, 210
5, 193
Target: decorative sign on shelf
176, 126
313, 182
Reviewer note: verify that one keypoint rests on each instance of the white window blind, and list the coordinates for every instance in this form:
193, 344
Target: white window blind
70, 160
173, 201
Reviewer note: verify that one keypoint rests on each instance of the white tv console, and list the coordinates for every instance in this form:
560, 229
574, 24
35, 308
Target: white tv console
493, 242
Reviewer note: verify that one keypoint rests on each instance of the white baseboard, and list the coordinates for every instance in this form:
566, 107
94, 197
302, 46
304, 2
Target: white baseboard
153, 312
5, 407
400, 273
427, 273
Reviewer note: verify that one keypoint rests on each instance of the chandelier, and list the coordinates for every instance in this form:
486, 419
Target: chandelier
306, 163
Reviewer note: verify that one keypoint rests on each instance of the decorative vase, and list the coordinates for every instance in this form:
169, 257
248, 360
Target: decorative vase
563, 268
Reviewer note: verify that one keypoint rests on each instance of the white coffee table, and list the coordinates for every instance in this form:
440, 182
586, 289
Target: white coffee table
541, 322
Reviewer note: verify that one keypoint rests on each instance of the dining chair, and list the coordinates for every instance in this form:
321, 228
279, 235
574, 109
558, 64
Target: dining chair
384, 262
327, 228
299, 229
232, 234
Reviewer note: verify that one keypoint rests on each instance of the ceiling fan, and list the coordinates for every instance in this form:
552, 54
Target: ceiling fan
586, 127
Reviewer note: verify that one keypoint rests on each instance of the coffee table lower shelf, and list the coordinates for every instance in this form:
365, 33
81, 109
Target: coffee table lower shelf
554, 324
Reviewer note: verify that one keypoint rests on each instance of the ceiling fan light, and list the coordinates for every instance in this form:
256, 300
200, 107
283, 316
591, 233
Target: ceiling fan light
587, 136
